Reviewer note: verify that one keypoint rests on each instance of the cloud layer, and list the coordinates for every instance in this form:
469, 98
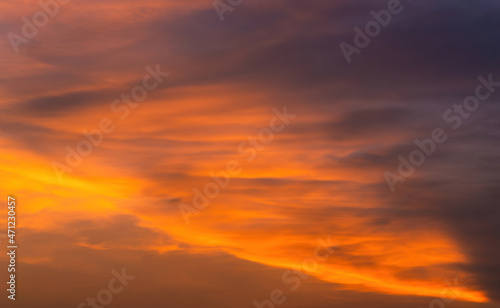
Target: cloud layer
323, 175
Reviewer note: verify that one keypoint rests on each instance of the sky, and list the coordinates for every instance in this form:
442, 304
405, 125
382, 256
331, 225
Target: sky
238, 154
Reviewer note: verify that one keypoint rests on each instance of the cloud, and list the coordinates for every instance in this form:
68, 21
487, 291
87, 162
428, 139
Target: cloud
322, 175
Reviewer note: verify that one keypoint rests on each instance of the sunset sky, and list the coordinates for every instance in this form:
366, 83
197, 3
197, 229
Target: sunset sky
264, 91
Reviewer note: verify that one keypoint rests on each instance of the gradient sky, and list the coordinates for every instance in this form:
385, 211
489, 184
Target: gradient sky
323, 175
